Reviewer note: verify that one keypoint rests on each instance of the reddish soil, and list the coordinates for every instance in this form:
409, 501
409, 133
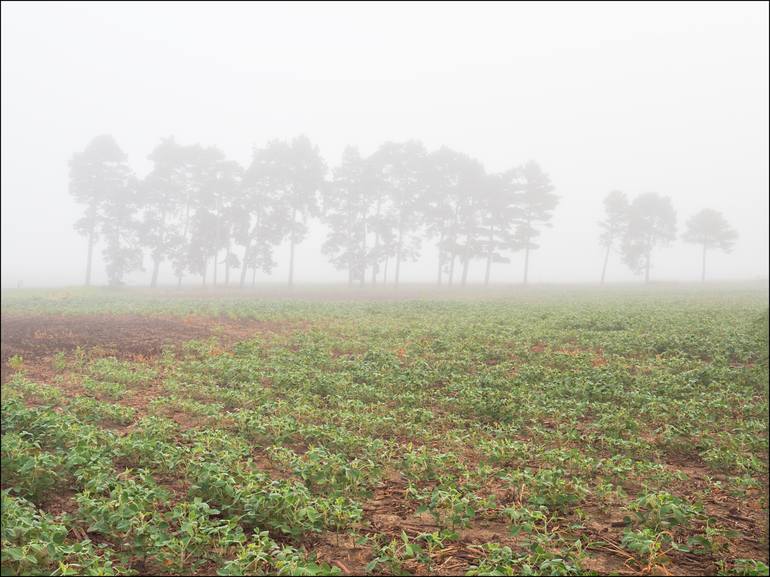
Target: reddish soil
134, 337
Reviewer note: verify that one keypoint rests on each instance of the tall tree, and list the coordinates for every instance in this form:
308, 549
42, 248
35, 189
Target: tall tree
400, 170
345, 204
228, 178
100, 179
190, 173
265, 212
614, 224
216, 182
651, 223
537, 201
181, 197
120, 228
709, 229
501, 215
162, 195
452, 209
300, 176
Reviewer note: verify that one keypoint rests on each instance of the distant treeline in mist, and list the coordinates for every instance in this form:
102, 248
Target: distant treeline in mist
202, 214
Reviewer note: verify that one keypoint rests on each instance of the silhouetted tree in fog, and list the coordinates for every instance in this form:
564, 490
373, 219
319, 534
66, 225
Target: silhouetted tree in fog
651, 223
195, 208
216, 183
265, 212
120, 229
229, 214
453, 209
536, 201
379, 224
99, 179
162, 195
614, 223
501, 213
709, 229
400, 172
437, 208
300, 175
174, 192
345, 206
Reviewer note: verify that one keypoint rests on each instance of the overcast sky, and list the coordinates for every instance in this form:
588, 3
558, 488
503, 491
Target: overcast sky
649, 97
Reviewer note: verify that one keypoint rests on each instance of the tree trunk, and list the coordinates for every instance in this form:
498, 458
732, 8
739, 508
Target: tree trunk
291, 249
398, 254
251, 235
216, 243
291, 263
254, 276
184, 234
440, 264
227, 264
647, 268
243, 264
385, 272
362, 264
606, 258
159, 255
703, 264
155, 269
375, 262
89, 260
526, 263
453, 233
205, 270
489, 255
466, 263
526, 250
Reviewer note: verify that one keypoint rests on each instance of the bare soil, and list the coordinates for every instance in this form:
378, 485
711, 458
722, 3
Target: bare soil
37, 338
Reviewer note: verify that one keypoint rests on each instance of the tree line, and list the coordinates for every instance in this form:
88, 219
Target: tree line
635, 228
201, 214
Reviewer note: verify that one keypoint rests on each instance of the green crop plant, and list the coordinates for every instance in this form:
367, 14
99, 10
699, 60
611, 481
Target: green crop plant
305, 436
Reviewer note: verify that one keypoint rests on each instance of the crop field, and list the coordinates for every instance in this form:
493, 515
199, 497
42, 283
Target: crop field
505, 432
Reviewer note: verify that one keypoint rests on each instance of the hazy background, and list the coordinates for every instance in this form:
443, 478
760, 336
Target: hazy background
667, 97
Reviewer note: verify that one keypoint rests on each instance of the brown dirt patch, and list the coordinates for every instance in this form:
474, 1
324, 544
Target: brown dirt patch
132, 337
342, 551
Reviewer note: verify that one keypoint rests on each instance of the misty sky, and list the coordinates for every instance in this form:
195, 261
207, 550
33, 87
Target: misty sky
669, 98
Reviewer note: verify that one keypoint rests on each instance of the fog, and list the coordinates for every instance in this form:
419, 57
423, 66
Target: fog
668, 98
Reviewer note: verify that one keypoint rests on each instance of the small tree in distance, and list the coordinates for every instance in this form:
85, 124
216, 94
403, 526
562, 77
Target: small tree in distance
709, 229
651, 223
101, 179
537, 202
344, 209
614, 223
